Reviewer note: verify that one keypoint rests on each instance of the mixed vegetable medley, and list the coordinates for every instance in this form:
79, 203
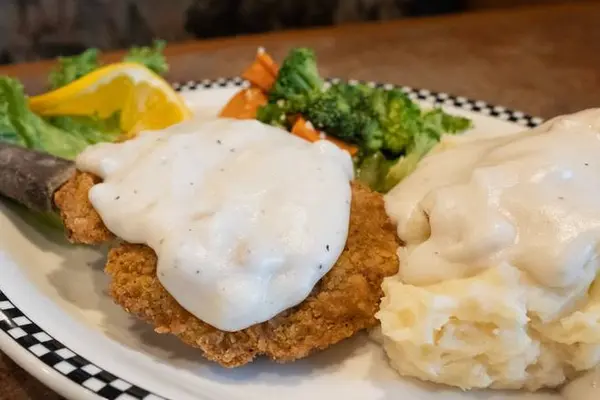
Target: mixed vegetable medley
385, 131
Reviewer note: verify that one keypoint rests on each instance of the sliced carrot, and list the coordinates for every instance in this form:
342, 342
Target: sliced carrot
265, 59
306, 131
258, 77
262, 72
244, 104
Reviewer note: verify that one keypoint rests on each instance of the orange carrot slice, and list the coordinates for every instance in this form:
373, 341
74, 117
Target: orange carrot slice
267, 61
306, 131
262, 72
244, 104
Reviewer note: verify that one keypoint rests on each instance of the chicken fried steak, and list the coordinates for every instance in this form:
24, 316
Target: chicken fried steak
342, 303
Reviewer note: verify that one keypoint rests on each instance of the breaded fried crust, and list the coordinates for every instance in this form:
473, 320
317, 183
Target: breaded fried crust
341, 304
82, 222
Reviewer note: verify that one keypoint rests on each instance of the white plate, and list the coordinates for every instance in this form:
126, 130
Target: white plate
57, 321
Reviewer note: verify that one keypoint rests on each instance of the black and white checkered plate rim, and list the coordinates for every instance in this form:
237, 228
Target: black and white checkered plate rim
436, 98
79, 370
56, 355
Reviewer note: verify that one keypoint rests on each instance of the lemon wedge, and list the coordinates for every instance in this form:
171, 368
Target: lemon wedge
145, 101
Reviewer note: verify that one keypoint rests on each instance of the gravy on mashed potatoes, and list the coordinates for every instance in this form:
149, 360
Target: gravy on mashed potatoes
497, 286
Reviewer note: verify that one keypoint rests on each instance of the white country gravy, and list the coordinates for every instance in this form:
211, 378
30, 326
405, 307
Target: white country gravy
532, 199
244, 217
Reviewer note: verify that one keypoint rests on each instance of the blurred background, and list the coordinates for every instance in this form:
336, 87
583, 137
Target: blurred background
37, 29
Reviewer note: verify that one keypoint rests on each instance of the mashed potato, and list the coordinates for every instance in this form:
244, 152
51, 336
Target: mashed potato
497, 278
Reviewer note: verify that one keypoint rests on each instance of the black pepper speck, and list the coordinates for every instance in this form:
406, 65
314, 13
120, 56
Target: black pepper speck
218, 142
327, 247
320, 266
117, 198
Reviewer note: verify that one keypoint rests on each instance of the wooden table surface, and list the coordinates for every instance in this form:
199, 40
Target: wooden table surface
542, 60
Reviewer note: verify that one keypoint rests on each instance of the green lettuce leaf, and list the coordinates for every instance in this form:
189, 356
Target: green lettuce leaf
69, 69
150, 56
72, 68
92, 129
19, 125
60, 136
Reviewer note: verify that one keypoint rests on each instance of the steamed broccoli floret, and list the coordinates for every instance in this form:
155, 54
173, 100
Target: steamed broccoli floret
358, 96
343, 111
373, 118
407, 163
281, 112
403, 122
436, 122
328, 111
272, 114
400, 121
298, 83
298, 76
